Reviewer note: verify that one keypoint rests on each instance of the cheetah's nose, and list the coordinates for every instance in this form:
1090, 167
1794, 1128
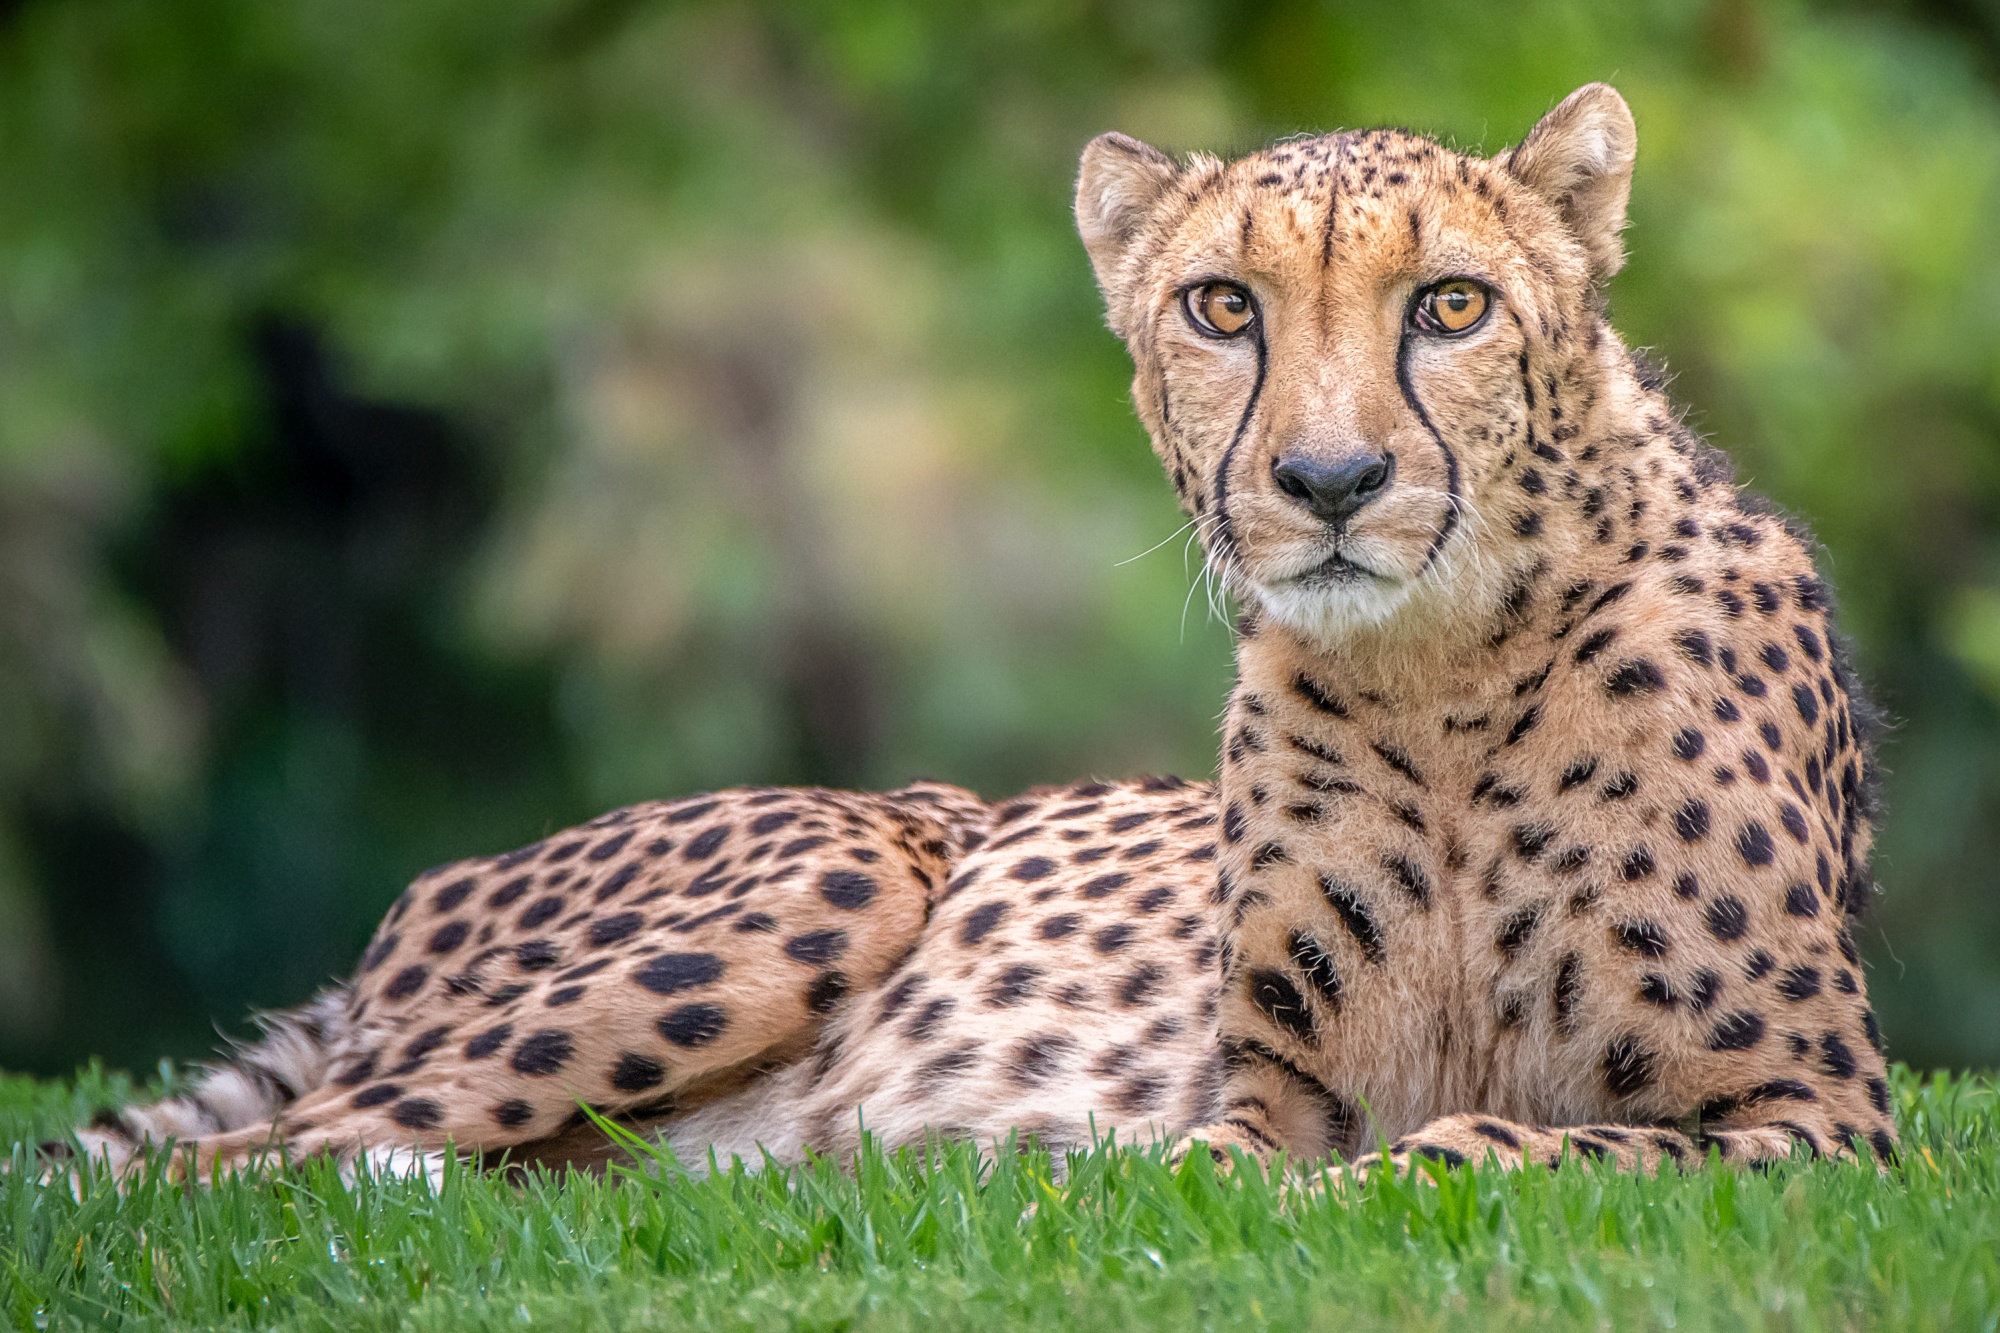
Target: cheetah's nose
1334, 491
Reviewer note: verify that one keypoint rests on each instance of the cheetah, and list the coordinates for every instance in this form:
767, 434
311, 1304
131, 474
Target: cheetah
1546, 787
1542, 815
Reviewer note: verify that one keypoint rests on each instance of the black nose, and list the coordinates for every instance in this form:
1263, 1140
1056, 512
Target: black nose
1334, 491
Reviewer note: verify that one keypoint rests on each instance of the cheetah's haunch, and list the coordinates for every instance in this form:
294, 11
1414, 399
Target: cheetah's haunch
1544, 804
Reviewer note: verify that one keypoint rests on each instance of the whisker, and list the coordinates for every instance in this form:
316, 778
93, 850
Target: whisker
1158, 544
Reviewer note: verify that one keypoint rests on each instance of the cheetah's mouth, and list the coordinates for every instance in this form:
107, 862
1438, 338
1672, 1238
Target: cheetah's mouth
1334, 571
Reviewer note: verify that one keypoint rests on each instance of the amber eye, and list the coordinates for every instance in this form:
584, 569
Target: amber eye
1219, 309
1451, 307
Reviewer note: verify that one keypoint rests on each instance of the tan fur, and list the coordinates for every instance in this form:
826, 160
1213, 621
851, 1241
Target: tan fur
757, 971
1541, 824
1554, 812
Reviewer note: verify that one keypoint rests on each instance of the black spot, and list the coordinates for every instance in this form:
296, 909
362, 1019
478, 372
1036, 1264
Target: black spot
486, 1043
1517, 929
1689, 744
1800, 900
1637, 865
637, 1073
1115, 937
1753, 844
450, 896
672, 973
1014, 985
514, 1113
1728, 918
1399, 759
1594, 644
1273, 993
545, 1052
1691, 821
1628, 1067
1736, 1032
694, 1024
849, 890
704, 846
1140, 984
543, 910
1695, 647
1621, 786
923, 1024
1835, 1056
618, 882
378, 952
1356, 915
1758, 964
1498, 1133
1410, 877
1799, 983
817, 947
826, 991
536, 955
1878, 1095
1530, 840
1579, 772
1318, 696
979, 923
510, 892
1568, 990
1033, 868
416, 1113
1703, 987
1645, 938
407, 982
611, 929
1638, 676
1316, 964
566, 995
1034, 1059
377, 1095
1525, 723
1058, 926
449, 936
1794, 823
687, 814
1686, 885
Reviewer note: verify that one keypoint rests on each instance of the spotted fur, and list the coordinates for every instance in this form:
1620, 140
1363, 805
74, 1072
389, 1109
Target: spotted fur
1547, 793
1542, 823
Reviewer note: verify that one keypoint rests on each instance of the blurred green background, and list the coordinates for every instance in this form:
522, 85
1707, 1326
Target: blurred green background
425, 423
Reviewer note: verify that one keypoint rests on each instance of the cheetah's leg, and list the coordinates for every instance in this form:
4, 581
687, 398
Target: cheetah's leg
1770, 1130
652, 956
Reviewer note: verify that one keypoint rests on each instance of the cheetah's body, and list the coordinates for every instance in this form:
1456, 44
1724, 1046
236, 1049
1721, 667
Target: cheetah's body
1543, 808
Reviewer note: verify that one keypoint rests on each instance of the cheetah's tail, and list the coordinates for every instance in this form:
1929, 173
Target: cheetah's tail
251, 1084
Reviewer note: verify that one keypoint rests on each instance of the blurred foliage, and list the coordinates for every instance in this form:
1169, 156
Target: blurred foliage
424, 423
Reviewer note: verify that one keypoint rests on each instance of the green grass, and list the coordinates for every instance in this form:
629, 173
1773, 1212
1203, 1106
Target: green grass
958, 1244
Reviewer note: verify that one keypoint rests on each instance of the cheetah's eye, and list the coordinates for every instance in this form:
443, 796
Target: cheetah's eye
1219, 309
1451, 307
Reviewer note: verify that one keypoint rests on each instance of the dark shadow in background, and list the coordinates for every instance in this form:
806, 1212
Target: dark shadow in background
302, 584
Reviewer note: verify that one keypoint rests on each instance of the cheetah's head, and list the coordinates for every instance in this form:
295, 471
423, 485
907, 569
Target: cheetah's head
1344, 344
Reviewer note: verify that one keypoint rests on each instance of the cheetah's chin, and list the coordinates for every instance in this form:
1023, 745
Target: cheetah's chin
1328, 610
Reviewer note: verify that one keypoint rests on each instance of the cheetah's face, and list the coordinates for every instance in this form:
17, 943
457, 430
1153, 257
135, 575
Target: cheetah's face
1338, 341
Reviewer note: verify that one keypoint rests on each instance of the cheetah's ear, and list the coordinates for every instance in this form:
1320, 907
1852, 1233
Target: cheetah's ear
1120, 183
1579, 158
